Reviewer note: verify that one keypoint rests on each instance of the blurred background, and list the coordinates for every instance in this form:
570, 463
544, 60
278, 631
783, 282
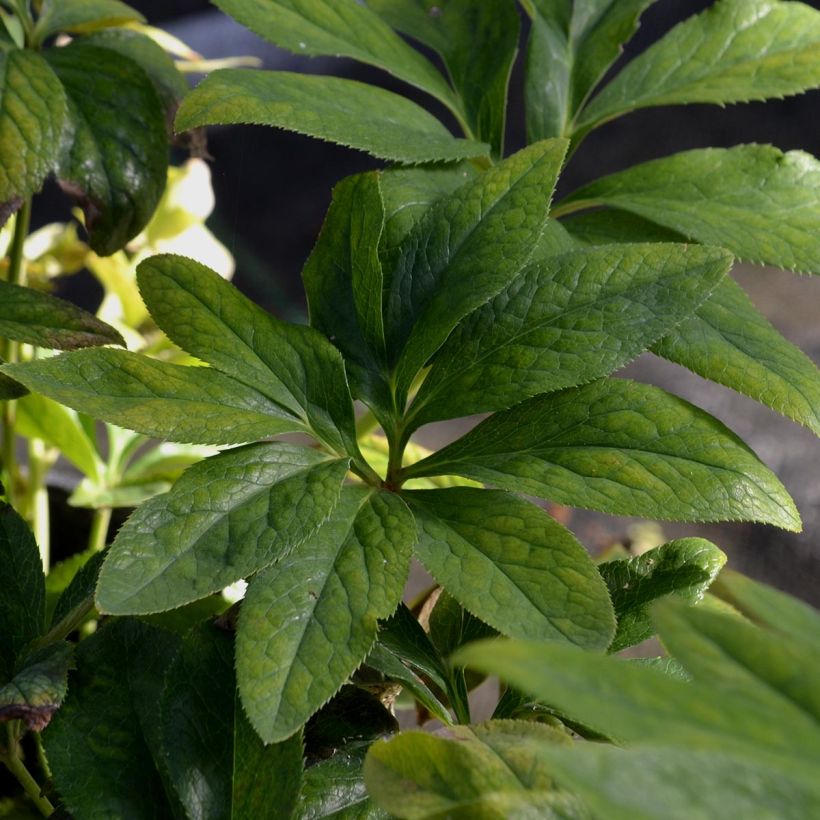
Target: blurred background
272, 189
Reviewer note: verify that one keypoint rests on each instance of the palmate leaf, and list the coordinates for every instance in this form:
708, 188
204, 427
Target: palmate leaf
81, 16
310, 619
623, 448
571, 46
116, 162
477, 40
512, 565
566, 321
337, 110
735, 51
226, 518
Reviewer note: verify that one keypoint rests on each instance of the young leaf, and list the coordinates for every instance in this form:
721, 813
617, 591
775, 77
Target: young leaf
309, 620
226, 518
99, 744
337, 110
564, 322
735, 51
477, 40
623, 448
216, 762
729, 341
464, 251
188, 404
684, 568
512, 565
116, 162
23, 602
32, 115
293, 366
570, 48
81, 16
725, 197
40, 319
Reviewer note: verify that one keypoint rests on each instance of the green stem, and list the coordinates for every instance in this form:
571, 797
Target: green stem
38, 464
14, 763
99, 529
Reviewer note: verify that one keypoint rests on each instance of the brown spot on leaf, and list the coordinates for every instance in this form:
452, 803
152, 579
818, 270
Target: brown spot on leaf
36, 718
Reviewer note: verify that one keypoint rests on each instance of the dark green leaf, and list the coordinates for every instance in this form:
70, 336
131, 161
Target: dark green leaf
226, 518
309, 620
36, 318
116, 160
607, 226
189, 404
32, 116
684, 568
465, 249
99, 744
477, 40
512, 565
725, 197
78, 595
564, 322
10, 389
219, 767
735, 51
291, 365
79, 16
623, 448
451, 626
338, 110
23, 598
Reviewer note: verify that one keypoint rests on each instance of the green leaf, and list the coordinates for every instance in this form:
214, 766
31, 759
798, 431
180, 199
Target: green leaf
226, 518
218, 766
293, 366
607, 226
116, 161
477, 41
451, 626
464, 250
683, 568
309, 620
38, 687
571, 46
10, 389
735, 51
622, 448
512, 565
491, 770
564, 322
32, 115
46, 321
725, 197
80, 16
23, 601
730, 342
180, 403
338, 28
99, 743
79, 593
337, 110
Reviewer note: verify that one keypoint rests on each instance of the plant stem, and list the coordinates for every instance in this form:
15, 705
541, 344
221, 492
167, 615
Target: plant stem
12, 758
99, 529
38, 498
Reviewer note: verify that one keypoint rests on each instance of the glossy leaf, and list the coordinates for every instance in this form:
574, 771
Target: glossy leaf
477, 40
99, 744
338, 28
291, 365
683, 568
22, 603
512, 565
571, 46
730, 342
464, 251
188, 404
337, 110
116, 162
735, 51
623, 448
725, 197
29, 316
564, 322
490, 770
218, 765
81, 16
309, 620
32, 116
38, 687
226, 518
